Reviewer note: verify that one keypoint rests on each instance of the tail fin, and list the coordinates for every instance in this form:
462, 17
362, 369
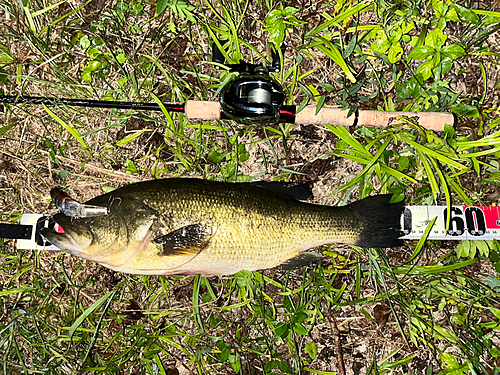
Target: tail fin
380, 220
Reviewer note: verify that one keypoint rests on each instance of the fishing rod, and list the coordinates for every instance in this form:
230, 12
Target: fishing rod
254, 97
212, 110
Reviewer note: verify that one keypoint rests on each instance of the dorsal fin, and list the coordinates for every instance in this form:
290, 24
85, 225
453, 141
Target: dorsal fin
294, 189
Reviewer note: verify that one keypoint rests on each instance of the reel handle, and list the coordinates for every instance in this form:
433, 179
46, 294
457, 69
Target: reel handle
217, 55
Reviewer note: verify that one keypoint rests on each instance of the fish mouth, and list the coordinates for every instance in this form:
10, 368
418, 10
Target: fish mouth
74, 238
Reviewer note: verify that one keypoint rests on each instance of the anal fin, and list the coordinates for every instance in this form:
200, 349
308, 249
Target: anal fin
188, 240
301, 260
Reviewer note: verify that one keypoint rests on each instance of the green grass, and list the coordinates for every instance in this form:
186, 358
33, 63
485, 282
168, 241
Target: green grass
61, 315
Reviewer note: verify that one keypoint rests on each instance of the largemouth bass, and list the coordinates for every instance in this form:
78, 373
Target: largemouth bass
187, 226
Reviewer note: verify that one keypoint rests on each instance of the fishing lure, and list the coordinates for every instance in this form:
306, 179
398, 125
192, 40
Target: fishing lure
69, 207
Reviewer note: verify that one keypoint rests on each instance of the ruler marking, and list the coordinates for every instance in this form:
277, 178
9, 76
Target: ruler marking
467, 222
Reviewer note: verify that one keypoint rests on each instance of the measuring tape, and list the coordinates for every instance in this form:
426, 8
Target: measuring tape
466, 223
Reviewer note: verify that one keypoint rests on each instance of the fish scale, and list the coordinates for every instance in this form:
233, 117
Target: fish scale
185, 226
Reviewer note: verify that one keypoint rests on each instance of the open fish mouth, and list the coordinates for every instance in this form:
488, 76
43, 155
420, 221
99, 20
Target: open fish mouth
71, 236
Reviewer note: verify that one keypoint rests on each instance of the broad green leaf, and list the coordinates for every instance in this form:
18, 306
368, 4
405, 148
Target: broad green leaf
491, 20
277, 31
483, 248
449, 360
453, 51
312, 349
306, 90
446, 64
281, 330
161, 6
300, 329
426, 69
466, 14
5, 54
273, 14
288, 11
444, 333
327, 86
463, 249
395, 53
303, 104
435, 38
495, 311
403, 163
351, 46
86, 76
321, 103
421, 53
214, 156
465, 110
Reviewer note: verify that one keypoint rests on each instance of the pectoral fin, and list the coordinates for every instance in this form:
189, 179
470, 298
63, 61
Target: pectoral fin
188, 240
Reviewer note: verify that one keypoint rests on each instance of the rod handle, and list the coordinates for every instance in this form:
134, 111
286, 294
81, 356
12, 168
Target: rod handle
336, 116
428, 120
196, 109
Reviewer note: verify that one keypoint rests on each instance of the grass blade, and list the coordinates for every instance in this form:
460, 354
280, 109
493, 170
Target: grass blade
89, 311
333, 53
69, 128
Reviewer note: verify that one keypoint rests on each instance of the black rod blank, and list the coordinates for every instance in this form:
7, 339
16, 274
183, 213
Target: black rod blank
11, 99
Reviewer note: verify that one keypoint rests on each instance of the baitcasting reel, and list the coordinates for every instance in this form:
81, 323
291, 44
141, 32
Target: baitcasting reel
253, 96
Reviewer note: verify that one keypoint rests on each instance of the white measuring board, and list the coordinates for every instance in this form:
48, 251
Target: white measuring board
36, 241
466, 222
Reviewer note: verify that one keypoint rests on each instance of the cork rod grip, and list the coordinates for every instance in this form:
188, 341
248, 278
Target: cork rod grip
195, 109
336, 116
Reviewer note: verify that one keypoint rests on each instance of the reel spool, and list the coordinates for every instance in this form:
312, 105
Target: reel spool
253, 96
